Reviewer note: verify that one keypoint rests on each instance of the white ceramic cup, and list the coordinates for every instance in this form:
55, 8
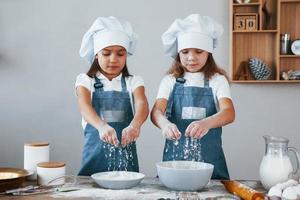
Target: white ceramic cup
49, 171
34, 153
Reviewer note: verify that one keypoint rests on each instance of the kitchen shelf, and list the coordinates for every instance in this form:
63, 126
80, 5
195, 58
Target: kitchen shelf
290, 1
289, 56
246, 4
256, 81
289, 81
275, 17
265, 81
256, 31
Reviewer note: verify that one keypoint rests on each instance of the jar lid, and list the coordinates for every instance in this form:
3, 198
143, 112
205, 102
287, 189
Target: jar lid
51, 164
36, 144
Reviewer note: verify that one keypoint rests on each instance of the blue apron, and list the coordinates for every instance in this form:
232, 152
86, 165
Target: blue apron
114, 107
185, 105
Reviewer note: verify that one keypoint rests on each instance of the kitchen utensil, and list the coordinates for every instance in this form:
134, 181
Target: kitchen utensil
118, 179
29, 190
53, 186
184, 175
295, 48
33, 190
276, 165
242, 190
11, 178
285, 43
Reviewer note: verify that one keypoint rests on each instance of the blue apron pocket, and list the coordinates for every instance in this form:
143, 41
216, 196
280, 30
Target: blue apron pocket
193, 113
113, 115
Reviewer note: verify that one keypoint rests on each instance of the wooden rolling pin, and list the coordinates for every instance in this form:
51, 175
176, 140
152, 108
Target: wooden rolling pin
242, 191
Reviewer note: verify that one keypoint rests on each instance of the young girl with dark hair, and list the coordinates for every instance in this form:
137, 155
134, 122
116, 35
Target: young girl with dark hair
193, 101
112, 102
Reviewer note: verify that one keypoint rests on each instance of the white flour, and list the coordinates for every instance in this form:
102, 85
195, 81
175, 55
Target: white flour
149, 189
119, 175
107, 194
188, 165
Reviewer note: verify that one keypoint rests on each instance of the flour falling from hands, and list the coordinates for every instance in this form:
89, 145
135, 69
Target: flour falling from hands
118, 157
187, 149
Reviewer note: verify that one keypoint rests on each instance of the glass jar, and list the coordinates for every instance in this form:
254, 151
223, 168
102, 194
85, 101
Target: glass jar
276, 166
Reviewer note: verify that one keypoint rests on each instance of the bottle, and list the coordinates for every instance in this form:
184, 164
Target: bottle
285, 43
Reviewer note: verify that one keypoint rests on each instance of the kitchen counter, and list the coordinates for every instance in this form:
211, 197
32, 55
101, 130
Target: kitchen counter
148, 189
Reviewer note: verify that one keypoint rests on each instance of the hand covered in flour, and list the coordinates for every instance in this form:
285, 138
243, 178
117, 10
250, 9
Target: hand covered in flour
130, 134
108, 134
197, 129
170, 131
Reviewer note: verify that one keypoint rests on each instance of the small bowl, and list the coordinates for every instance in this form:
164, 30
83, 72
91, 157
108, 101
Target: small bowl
11, 178
184, 175
118, 179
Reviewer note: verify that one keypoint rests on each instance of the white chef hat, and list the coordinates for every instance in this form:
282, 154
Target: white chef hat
195, 31
104, 32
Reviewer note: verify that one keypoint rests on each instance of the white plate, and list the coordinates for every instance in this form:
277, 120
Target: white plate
118, 179
295, 48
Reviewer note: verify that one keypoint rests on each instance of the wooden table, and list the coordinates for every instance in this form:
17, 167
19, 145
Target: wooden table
148, 189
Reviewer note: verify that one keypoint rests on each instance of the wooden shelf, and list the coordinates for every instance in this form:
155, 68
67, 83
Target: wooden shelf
246, 4
275, 17
254, 81
289, 81
290, 1
289, 56
257, 31
264, 81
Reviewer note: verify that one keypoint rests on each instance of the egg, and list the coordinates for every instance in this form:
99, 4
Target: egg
289, 193
287, 190
275, 191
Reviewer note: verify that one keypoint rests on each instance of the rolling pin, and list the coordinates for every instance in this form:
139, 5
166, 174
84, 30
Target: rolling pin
242, 191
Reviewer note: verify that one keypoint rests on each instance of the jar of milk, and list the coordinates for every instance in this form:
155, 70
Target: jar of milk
276, 166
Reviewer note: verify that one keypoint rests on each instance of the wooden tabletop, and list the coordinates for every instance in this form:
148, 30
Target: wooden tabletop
148, 189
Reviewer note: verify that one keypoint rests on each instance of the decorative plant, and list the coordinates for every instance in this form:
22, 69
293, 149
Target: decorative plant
259, 70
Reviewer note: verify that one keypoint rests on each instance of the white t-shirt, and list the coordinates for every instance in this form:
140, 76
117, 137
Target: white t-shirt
132, 82
218, 83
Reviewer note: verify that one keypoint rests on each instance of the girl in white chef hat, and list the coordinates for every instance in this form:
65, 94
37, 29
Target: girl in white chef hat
112, 102
193, 100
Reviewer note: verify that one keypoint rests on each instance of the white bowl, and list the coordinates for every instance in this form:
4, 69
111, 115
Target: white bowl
184, 175
118, 179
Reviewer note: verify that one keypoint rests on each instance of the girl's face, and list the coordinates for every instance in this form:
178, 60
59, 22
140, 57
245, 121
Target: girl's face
193, 59
112, 60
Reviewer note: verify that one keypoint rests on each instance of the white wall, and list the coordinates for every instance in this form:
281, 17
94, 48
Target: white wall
39, 43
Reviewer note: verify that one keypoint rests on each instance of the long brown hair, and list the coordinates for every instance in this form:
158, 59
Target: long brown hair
209, 69
95, 67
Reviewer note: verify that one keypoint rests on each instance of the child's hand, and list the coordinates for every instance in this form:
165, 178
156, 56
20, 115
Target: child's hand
197, 129
108, 134
129, 134
170, 131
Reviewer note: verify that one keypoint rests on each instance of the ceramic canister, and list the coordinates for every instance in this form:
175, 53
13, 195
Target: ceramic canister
51, 171
34, 153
